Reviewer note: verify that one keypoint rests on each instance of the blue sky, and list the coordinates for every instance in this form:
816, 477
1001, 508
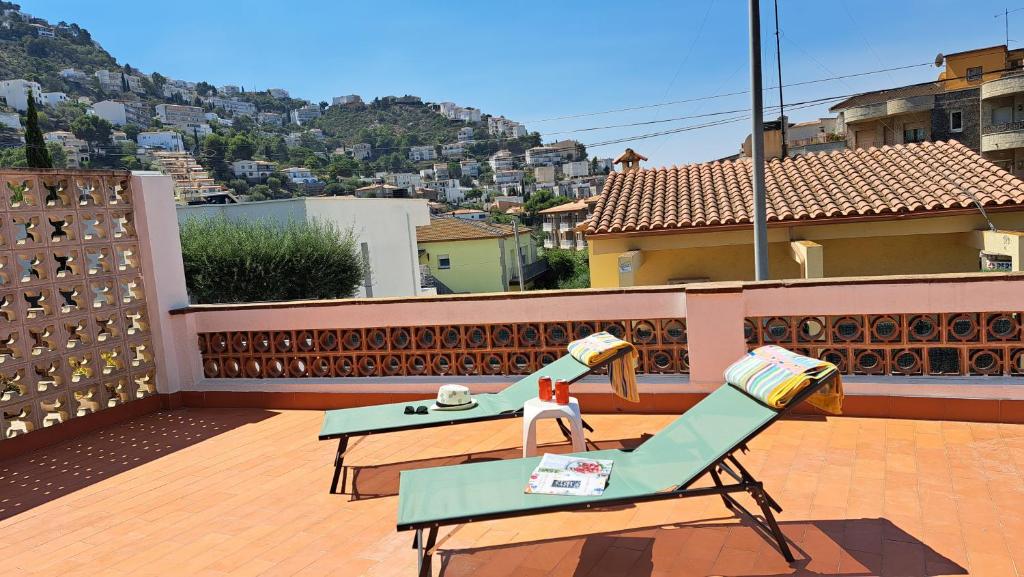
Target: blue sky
534, 60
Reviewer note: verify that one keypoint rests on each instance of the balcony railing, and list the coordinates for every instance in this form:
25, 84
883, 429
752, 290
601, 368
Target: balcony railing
531, 270
1004, 127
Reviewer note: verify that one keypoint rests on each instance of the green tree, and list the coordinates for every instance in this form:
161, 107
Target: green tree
566, 269
92, 129
58, 158
240, 147
36, 153
213, 154
205, 89
541, 200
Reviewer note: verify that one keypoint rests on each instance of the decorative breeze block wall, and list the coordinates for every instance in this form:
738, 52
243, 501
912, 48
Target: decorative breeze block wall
973, 343
74, 331
485, 349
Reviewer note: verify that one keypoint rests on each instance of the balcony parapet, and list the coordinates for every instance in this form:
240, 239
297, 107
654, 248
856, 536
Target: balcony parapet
1005, 86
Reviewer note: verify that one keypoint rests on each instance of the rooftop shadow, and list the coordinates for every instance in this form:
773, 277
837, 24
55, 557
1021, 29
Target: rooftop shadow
853, 548
375, 481
52, 472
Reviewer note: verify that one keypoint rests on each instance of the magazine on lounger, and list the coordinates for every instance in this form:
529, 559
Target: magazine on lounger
566, 475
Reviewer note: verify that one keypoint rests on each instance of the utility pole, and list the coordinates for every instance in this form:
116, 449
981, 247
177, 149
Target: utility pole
757, 146
778, 62
519, 254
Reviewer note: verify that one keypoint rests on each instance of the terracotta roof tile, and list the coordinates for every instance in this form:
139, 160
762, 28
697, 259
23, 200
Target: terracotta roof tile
900, 179
445, 229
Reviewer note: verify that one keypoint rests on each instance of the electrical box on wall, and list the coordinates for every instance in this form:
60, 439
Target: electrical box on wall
991, 262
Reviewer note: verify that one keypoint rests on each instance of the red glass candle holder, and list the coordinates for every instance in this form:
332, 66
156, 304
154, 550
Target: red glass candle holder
562, 392
544, 388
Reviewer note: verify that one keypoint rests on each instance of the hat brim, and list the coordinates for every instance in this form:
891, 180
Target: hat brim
469, 405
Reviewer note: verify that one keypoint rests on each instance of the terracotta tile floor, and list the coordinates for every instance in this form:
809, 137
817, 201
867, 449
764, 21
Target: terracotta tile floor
244, 493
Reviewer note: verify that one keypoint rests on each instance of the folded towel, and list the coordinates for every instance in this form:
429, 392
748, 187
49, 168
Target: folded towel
598, 348
775, 376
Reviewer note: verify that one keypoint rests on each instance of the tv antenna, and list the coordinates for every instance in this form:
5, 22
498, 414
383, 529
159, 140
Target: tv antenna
1006, 22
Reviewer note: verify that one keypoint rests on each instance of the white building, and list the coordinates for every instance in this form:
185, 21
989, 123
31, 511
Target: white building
574, 169
120, 113
164, 139
604, 165
347, 99
440, 171
278, 92
274, 118
502, 177
215, 118
385, 231
466, 134
15, 92
232, 106
53, 99
405, 180
501, 160
468, 214
10, 120
73, 75
255, 170
453, 150
179, 115
229, 90
361, 151
300, 175
452, 111
421, 153
501, 126
171, 90
303, 115
470, 167
543, 155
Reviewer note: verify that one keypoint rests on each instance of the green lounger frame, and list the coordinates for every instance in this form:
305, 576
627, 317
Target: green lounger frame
343, 424
702, 441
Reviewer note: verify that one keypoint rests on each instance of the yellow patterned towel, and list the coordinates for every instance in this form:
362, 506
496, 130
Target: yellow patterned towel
598, 348
775, 376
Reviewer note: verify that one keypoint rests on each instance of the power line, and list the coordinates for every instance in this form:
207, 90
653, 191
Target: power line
723, 95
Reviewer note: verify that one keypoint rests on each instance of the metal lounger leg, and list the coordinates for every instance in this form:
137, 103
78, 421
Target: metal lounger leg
423, 550
587, 426
565, 430
764, 501
339, 465
718, 483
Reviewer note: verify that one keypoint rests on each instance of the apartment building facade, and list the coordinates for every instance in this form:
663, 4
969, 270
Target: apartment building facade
180, 115
120, 113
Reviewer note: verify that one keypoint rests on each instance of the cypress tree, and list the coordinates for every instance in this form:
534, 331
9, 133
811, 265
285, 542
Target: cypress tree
36, 153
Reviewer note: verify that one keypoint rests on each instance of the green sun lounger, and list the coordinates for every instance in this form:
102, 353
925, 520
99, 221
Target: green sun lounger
343, 424
700, 442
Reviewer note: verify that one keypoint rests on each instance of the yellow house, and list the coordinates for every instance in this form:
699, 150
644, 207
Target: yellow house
904, 209
464, 256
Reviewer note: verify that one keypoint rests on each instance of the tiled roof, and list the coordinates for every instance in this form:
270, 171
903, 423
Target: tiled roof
567, 207
875, 182
888, 94
445, 229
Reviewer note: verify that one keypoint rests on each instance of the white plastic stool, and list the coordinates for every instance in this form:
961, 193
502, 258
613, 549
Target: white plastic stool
536, 409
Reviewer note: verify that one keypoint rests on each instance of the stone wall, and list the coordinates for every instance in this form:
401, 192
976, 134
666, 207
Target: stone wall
967, 102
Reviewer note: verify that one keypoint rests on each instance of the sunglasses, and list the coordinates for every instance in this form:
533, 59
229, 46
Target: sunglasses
420, 410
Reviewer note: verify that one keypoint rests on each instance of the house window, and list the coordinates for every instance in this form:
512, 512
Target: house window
443, 261
956, 121
974, 74
913, 135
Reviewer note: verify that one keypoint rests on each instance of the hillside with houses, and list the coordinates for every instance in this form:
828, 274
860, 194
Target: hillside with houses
232, 143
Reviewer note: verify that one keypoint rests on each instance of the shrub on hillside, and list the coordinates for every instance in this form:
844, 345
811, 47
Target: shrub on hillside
249, 261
